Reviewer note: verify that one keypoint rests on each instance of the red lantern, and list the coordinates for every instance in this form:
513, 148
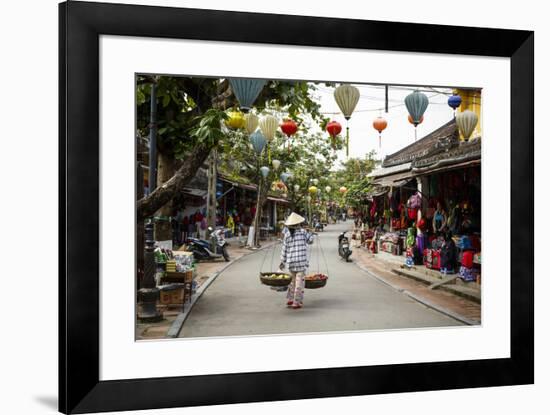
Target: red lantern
289, 127
334, 128
379, 125
411, 119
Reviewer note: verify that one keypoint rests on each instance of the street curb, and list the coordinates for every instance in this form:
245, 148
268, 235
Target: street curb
420, 299
443, 287
177, 324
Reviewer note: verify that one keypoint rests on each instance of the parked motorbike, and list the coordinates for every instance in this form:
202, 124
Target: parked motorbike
202, 249
343, 247
318, 226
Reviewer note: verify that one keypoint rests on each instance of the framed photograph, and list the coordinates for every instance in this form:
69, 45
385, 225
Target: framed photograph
258, 207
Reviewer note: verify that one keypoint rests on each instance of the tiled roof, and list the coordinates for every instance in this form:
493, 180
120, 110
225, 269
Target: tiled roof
437, 142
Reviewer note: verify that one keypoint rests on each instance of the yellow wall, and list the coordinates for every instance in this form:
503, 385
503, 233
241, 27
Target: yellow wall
471, 100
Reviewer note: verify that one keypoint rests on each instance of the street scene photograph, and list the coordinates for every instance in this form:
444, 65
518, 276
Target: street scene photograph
271, 206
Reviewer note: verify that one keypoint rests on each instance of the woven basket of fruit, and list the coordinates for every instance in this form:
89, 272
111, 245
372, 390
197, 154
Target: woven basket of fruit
275, 279
316, 280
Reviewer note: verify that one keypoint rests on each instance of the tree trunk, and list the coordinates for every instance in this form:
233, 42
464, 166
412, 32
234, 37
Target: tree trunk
165, 170
211, 202
163, 194
260, 201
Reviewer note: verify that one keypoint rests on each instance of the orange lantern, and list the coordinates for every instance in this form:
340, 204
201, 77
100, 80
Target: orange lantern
380, 125
411, 119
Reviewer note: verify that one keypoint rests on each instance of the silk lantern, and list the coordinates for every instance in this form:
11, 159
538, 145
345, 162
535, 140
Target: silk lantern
264, 170
251, 122
268, 126
416, 104
347, 97
466, 121
289, 128
275, 163
334, 128
235, 120
454, 102
258, 142
246, 90
379, 125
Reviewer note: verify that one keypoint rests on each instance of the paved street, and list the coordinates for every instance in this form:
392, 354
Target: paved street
238, 304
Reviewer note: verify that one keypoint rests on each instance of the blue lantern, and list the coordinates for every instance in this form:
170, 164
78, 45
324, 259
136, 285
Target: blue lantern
454, 101
246, 90
265, 171
284, 177
258, 142
416, 104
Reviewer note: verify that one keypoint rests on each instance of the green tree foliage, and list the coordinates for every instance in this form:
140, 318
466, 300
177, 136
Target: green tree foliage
183, 101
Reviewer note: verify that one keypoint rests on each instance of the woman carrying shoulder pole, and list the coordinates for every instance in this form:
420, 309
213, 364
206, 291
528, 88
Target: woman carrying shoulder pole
294, 253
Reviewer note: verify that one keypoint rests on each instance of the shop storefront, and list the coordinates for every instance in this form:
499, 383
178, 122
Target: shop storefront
426, 205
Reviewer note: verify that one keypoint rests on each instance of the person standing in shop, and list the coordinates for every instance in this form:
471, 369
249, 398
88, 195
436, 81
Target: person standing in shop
294, 253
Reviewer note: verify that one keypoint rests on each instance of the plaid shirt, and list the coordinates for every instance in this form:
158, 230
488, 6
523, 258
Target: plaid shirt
294, 250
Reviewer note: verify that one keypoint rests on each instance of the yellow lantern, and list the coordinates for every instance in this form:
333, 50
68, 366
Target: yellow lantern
235, 120
312, 190
251, 122
268, 126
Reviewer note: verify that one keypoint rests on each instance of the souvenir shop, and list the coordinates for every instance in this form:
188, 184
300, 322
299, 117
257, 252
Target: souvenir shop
431, 220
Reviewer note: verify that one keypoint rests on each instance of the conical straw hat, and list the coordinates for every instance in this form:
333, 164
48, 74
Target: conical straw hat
294, 219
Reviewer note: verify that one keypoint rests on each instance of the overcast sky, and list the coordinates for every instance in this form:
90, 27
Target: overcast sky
399, 132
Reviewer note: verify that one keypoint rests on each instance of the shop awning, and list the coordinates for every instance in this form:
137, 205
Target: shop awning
394, 180
277, 199
378, 192
237, 184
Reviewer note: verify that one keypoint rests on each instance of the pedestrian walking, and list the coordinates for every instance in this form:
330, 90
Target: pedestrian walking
198, 219
294, 253
184, 229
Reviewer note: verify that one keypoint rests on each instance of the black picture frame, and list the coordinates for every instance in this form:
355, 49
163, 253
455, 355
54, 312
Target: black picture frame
81, 25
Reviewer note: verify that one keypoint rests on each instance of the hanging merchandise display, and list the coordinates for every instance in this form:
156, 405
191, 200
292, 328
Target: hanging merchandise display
258, 142
275, 163
246, 90
466, 121
347, 97
235, 120
454, 102
268, 126
265, 171
251, 122
289, 128
416, 104
334, 128
379, 125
